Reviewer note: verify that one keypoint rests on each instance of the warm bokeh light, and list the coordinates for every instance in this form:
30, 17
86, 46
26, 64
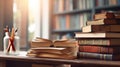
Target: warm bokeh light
34, 17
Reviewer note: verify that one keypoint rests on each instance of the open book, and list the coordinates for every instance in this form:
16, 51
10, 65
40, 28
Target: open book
61, 49
40, 42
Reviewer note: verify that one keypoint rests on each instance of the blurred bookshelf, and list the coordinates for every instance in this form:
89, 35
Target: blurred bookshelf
69, 16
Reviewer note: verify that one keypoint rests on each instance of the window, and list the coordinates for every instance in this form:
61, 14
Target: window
31, 17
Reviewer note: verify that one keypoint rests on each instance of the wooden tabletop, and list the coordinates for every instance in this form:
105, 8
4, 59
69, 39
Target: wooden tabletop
22, 57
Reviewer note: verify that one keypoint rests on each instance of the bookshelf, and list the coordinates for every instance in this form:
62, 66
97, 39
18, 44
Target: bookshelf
69, 16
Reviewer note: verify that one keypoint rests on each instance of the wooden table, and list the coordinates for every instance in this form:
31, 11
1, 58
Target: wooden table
24, 61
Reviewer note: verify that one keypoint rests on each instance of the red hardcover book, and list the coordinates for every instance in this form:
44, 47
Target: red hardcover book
100, 49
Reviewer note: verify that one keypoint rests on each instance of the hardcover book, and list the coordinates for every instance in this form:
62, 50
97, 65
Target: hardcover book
96, 35
104, 15
104, 22
98, 56
99, 42
101, 28
100, 49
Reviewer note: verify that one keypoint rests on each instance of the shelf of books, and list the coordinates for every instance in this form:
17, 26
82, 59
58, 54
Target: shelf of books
100, 38
70, 16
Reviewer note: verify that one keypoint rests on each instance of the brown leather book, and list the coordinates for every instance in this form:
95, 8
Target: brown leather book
104, 15
100, 49
101, 28
99, 42
103, 22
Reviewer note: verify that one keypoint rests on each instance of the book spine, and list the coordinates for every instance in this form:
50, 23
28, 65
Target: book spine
56, 25
102, 42
68, 22
98, 56
61, 5
62, 22
56, 5
93, 42
99, 49
97, 35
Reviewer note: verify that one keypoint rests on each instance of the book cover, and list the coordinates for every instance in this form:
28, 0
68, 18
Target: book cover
101, 28
98, 56
96, 35
100, 49
99, 42
103, 22
104, 15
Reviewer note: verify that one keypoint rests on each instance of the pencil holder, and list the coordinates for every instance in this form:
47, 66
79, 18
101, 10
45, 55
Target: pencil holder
11, 44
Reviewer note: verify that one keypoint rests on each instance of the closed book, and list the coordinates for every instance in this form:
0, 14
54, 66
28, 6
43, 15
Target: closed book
67, 50
51, 55
104, 15
100, 49
103, 22
48, 50
98, 56
99, 42
96, 35
101, 28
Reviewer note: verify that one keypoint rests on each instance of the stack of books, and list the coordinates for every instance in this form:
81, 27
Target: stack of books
100, 39
59, 49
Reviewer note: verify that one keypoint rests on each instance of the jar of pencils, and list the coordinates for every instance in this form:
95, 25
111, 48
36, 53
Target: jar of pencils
11, 42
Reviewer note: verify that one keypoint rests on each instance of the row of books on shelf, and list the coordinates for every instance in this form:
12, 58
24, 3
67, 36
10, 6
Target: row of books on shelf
69, 5
100, 41
71, 22
101, 3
